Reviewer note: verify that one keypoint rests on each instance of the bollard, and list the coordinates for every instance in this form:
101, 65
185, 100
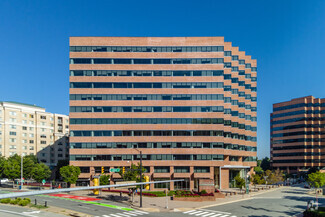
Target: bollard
35, 202
45, 204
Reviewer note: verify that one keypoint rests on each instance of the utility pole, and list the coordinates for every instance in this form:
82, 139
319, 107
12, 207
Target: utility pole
21, 172
140, 179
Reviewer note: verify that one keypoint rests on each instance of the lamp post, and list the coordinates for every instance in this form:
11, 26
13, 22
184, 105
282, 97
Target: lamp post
21, 172
140, 176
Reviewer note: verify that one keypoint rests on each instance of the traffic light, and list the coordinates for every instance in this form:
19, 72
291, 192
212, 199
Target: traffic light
123, 170
146, 179
103, 170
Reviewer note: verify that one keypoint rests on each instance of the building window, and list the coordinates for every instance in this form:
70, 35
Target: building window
181, 169
11, 133
24, 128
31, 148
43, 142
12, 140
161, 169
43, 117
201, 169
31, 141
13, 113
161, 185
84, 169
13, 126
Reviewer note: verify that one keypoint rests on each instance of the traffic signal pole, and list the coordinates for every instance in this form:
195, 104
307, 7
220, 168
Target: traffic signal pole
140, 179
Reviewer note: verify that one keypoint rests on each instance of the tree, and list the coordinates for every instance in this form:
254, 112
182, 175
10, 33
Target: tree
265, 164
316, 180
2, 164
40, 172
29, 163
11, 167
132, 174
104, 180
61, 163
258, 170
239, 182
70, 174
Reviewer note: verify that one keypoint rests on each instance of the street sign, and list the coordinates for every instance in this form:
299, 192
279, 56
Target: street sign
43, 181
114, 170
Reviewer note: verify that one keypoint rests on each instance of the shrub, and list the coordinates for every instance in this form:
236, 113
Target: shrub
6, 200
14, 202
23, 203
26, 198
203, 192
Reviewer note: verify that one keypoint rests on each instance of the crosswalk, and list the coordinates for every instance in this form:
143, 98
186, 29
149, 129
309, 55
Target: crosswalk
125, 214
206, 213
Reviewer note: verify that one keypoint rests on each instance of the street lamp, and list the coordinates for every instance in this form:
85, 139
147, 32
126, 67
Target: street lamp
140, 176
21, 172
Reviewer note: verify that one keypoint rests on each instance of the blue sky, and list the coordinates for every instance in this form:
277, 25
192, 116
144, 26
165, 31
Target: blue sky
286, 37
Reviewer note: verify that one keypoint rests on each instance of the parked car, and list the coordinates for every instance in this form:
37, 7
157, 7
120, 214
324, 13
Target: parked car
307, 186
4, 180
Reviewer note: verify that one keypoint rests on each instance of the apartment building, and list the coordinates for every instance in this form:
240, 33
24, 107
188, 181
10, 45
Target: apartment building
298, 134
188, 103
28, 129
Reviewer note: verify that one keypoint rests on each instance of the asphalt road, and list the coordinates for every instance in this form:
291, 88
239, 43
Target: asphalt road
287, 201
15, 211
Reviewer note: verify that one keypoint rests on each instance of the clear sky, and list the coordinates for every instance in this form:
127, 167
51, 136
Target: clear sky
286, 37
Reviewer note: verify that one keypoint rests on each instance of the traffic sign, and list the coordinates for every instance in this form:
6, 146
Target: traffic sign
114, 170
43, 181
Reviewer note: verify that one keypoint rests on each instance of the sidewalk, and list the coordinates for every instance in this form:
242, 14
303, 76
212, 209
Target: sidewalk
159, 204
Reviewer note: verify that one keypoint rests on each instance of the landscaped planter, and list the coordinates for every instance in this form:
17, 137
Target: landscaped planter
201, 198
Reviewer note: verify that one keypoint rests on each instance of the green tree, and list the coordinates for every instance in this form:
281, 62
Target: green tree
29, 163
239, 182
11, 167
2, 164
61, 163
258, 170
316, 180
70, 174
132, 174
104, 180
40, 172
265, 164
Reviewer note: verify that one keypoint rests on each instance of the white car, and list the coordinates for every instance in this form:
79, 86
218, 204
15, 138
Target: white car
4, 180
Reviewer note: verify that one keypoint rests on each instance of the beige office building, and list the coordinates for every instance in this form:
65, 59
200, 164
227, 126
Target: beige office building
28, 129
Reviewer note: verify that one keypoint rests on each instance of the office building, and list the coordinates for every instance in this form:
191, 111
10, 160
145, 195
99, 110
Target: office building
188, 103
297, 134
28, 129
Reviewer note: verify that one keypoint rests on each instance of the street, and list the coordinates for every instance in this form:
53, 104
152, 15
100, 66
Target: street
285, 201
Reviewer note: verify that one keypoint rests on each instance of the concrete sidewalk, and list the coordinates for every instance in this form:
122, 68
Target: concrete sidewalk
163, 204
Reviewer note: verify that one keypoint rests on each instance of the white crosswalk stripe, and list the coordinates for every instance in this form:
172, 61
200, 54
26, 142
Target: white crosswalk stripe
126, 214
207, 213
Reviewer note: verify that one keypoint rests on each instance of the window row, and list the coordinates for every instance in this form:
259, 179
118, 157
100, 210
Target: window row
146, 61
299, 147
158, 49
174, 97
299, 106
149, 73
298, 154
298, 113
94, 109
292, 120
298, 140
298, 126
96, 121
129, 157
116, 133
298, 133
119, 145
299, 161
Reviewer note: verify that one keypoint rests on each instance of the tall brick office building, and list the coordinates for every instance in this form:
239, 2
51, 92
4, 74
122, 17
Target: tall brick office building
189, 103
298, 134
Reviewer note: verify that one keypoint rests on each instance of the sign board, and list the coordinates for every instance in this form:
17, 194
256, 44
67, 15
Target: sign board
43, 181
114, 170
126, 182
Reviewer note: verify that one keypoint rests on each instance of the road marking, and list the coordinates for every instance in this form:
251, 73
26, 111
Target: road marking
196, 212
201, 213
210, 210
190, 211
17, 213
109, 205
32, 212
208, 214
